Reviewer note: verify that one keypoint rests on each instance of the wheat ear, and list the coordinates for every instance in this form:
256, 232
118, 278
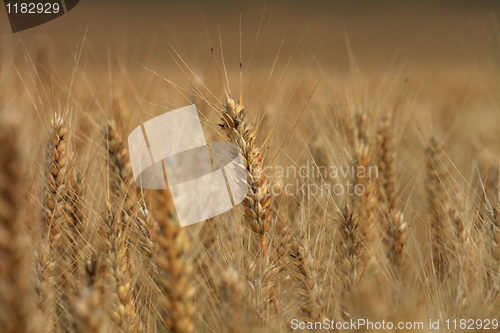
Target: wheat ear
69, 270
353, 254
307, 287
386, 163
395, 228
175, 267
399, 234
257, 203
123, 227
367, 201
206, 257
55, 201
491, 204
144, 283
66, 224
438, 204
115, 249
76, 221
492, 281
495, 233
55, 216
16, 314
121, 180
89, 313
235, 310
488, 223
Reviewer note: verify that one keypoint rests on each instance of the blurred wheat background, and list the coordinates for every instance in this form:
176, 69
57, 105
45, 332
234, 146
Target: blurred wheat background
409, 88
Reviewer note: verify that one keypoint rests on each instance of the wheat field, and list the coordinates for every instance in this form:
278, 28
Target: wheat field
371, 144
